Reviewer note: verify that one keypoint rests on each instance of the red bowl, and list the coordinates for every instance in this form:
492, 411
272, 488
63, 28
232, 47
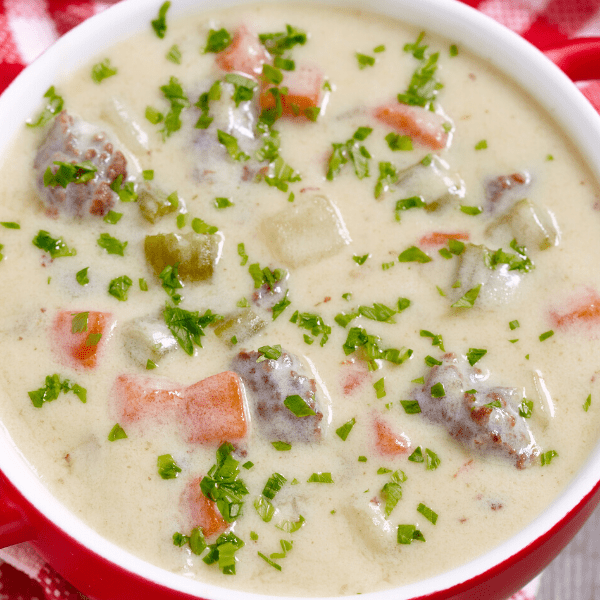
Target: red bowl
101, 570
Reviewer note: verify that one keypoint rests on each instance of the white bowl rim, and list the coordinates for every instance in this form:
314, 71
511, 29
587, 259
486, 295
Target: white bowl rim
450, 19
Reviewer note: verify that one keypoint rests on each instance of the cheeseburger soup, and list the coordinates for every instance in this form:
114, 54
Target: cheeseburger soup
298, 300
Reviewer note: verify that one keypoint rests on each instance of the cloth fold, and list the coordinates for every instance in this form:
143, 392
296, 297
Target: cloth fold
28, 27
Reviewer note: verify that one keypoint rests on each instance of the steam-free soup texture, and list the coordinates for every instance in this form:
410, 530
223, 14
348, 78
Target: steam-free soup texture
298, 300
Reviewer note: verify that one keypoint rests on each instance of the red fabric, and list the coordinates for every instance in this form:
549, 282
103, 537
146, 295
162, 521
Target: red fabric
28, 27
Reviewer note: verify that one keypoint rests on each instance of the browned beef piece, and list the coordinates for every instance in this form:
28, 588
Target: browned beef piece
268, 383
471, 418
72, 140
503, 191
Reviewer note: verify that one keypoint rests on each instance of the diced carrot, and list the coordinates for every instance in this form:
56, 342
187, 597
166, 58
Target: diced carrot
438, 238
304, 86
201, 511
81, 349
585, 311
213, 410
387, 442
139, 398
420, 124
245, 54
354, 373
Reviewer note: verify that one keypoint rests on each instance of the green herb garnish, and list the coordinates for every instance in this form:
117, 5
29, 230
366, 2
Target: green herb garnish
167, 467
52, 388
102, 71
56, 248
53, 107
116, 433
160, 23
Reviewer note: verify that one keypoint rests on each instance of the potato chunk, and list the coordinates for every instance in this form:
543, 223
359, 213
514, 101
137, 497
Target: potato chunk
306, 232
195, 253
242, 325
148, 338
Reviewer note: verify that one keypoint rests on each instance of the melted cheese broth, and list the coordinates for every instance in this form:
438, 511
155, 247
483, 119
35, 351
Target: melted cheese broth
481, 501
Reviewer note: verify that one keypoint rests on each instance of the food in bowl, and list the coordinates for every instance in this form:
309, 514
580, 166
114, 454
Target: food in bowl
308, 306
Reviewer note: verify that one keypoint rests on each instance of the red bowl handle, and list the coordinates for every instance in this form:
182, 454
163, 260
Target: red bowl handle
14, 526
578, 58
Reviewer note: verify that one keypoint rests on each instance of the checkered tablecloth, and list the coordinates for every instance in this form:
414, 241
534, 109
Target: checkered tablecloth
28, 27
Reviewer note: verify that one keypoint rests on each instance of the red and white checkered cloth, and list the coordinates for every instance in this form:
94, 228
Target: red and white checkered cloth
28, 27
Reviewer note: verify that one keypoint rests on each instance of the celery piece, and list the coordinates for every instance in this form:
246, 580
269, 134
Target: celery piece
154, 203
241, 325
196, 254
148, 338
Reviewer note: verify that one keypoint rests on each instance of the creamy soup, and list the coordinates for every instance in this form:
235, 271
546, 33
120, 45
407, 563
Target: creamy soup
298, 300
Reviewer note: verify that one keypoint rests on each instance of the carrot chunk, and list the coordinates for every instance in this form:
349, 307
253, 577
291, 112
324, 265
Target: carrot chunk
420, 124
585, 310
439, 238
304, 86
387, 442
138, 398
354, 373
79, 345
213, 410
245, 54
201, 511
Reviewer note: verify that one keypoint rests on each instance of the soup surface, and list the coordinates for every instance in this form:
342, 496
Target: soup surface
297, 300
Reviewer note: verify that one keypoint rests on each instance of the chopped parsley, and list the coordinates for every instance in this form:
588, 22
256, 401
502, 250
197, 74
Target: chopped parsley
119, 287
471, 210
468, 300
397, 142
269, 352
188, 326
150, 364
242, 254
406, 204
526, 408
414, 254
174, 54
116, 433
125, 191
546, 457
350, 151
143, 284
388, 176
69, 173
513, 325
53, 107
392, 491
437, 390
516, 262
266, 276
409, 533
111, 245
281, 446
360, 260
52, 388
55, 247
453, 50
169, 277
160, 23
199, 226
280, 306
291, 526
222, 484
481, 145
231, 145
475, 354
359, 338
112, 217
278, 43
587, 403
167, 467
436, 339
298, 406
423, 87
279, 174
314, 323
10, 225
223, 203
79, 322
82, 276
173, 92
546, 335
345, 429
223, 552
320, 478
364, 60
379, 386
429, 514
102, 71
217, 41
243, 87
411, 407
214, 93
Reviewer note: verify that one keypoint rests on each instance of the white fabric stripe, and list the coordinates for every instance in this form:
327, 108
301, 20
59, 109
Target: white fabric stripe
32, 28
23, 558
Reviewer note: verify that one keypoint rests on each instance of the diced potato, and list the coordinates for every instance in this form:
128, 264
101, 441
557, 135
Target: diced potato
370, 527
154, 203
242, 325
497, 285
306, 232
148, 338
531, 225
129, 130
434, 182
196, 254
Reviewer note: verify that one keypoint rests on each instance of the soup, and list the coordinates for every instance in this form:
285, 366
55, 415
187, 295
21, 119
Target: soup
296, 300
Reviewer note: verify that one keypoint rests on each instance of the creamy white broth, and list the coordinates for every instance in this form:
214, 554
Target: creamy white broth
481, 500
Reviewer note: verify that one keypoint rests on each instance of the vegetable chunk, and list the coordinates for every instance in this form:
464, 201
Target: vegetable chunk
387, 441
304, 89
245, 54
307, 232
201, 511
79, 344
213, 410
208, 412
421, 125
